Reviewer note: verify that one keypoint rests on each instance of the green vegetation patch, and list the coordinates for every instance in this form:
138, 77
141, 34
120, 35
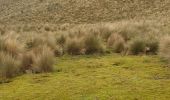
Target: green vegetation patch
94, 77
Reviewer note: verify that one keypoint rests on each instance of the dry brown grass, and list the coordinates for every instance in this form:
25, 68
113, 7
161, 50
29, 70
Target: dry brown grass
94, 44
34, 40
74, 46
43, 59
10, 44
137, 46
9, 66
36, 50
79, 11
116, 43
164, 50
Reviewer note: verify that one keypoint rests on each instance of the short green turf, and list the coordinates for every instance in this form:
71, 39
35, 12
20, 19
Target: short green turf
104, 77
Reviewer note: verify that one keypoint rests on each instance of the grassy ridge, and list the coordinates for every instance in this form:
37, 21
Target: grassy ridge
94, 77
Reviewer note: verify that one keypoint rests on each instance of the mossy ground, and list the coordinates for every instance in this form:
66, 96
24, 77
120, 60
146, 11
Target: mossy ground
106, 77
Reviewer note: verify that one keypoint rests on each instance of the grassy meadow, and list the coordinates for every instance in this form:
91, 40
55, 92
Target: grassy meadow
84, 50
106, 61
94, 77
125, 60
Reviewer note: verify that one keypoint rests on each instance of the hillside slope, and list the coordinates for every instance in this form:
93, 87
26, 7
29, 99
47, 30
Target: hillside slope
81, 11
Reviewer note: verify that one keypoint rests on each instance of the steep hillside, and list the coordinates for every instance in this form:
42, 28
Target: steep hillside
80, 11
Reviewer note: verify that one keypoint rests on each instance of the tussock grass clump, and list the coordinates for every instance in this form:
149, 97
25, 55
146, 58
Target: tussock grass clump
164, 49
38, 55
127, 31
61, 40
116, 43
43, 59
10, 53
137, 46
104, 30
152, 43
27, 61
34, 40
153, 46
2, 31
74, 46
11, 45
59, 51
35, 50
94, 44
9, 66
38, 60
1, 42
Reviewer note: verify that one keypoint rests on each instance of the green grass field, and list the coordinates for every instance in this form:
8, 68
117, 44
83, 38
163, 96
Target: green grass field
105, 77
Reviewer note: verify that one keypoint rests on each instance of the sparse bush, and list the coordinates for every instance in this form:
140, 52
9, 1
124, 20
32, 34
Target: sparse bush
116, 43
9, 66
137, 46
43, 59
164, 49
74, 46
93, 44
